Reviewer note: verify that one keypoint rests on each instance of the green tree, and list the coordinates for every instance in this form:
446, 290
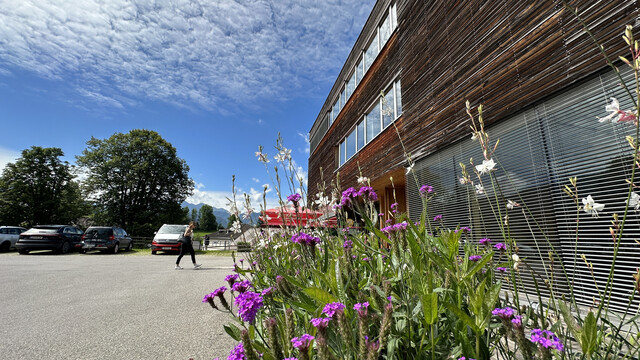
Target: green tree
39, 189
230, 220
208, 220
136, 180
194, 215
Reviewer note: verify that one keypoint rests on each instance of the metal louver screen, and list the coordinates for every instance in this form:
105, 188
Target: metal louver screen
539, 149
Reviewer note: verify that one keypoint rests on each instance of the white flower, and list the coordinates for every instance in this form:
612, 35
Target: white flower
512, 204
634, 201
474, 137
516, 261
615, 114
410, 168
321, 200
591, 207
486, 167
236, 227
363, 180
286, 153
262, 157
479, 189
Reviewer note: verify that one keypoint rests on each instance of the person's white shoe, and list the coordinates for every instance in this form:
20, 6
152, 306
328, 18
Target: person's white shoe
178, 267
196, 266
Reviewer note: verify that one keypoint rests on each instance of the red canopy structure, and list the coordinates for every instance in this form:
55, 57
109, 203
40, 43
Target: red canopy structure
288, 216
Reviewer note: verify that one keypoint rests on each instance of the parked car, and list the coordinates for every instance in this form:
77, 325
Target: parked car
59, 238
9, 236
106, 238
166, 239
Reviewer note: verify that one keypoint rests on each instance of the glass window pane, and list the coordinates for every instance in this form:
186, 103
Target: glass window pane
351, 144
351, 85
359, 72
398, 99
387, 109
342, 99
373, 122
394, 17
371, 52
385, 31
336, 109
360, 130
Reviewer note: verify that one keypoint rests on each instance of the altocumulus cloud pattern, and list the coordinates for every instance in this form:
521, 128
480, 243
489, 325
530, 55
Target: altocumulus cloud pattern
205, 53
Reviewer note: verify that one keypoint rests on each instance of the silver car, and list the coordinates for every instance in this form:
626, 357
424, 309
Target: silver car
8, 237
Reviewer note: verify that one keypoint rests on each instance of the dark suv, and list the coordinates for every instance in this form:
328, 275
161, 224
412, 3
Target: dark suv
106, 238
59, 238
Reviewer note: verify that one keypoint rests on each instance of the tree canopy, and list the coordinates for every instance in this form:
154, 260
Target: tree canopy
208, 220
135, 180
39, 189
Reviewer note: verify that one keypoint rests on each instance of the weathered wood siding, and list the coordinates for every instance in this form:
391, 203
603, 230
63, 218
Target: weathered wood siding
506, 55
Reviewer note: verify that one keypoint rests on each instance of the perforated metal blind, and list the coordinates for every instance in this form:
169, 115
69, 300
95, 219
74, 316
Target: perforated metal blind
540, 148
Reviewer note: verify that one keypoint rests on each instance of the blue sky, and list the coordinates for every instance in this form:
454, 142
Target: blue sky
215, 78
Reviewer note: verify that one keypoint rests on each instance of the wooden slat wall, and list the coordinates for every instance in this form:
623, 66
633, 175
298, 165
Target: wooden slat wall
505, 54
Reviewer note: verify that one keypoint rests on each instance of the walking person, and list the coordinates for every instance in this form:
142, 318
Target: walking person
206, 242
185, 245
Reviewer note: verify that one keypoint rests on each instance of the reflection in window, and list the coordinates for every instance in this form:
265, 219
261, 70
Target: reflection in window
351, 144
373, 122
398, 99
388, 112
351, 85
360, 135
385, 31
371, 52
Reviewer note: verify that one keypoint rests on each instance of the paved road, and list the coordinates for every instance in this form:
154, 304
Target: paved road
100, 306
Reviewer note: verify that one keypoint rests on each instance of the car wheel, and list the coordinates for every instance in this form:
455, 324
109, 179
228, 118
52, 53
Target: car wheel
5, 246
153, 252
116, 247
65, 247
130, 247
23, 252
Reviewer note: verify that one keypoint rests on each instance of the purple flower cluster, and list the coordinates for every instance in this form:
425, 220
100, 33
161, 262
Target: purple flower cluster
361, 308
500, 246
368, 192
394, 228
546, 339
320, 322
394, 207
242, 286
237, 353
268, 291
231, 279
332, 308
305, 239
348, 244
517, 321
437, 218
475, 258
485, 241
464, 358
502, 269
464, 229
347, 196
426, 189
303, 341
248, 304
217, 292
505, 313
294, 198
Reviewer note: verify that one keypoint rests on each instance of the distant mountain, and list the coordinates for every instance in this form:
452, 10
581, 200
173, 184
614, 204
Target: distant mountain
222, 215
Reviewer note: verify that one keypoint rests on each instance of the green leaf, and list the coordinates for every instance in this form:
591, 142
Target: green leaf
589, 336
570, 321
466, 319
430, 307
233, 331
320, 295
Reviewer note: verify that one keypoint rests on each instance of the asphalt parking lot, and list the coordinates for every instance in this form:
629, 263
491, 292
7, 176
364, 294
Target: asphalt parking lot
100, 306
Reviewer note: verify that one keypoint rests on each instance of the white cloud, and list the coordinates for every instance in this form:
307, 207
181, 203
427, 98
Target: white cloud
307, 147
7, 156
200, 186
256, 180
216, 199
183, 52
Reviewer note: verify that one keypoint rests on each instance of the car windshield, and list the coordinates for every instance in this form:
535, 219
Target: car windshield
99, 231
42, 231
172, 229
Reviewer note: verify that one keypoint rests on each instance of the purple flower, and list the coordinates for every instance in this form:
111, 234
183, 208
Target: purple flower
294, 198
485, 241
332, 308
505, 313
425, 189
546, 339
366, 259
241, 286
231, 278
219, 291
394, 207
347, 196
517, 321
348, 244
500, 246
475, 257
248, 304
367, 191
268, 291
502, 269
320, 322
464, 358
437, 218
303, 341
208, 297
361, 308
305, 239
464, 229
237, 353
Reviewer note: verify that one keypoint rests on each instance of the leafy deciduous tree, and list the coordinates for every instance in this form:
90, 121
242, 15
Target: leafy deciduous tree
208, 220
136, 180
38, 189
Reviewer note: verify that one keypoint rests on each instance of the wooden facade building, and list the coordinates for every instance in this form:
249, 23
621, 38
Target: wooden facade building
542, 82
